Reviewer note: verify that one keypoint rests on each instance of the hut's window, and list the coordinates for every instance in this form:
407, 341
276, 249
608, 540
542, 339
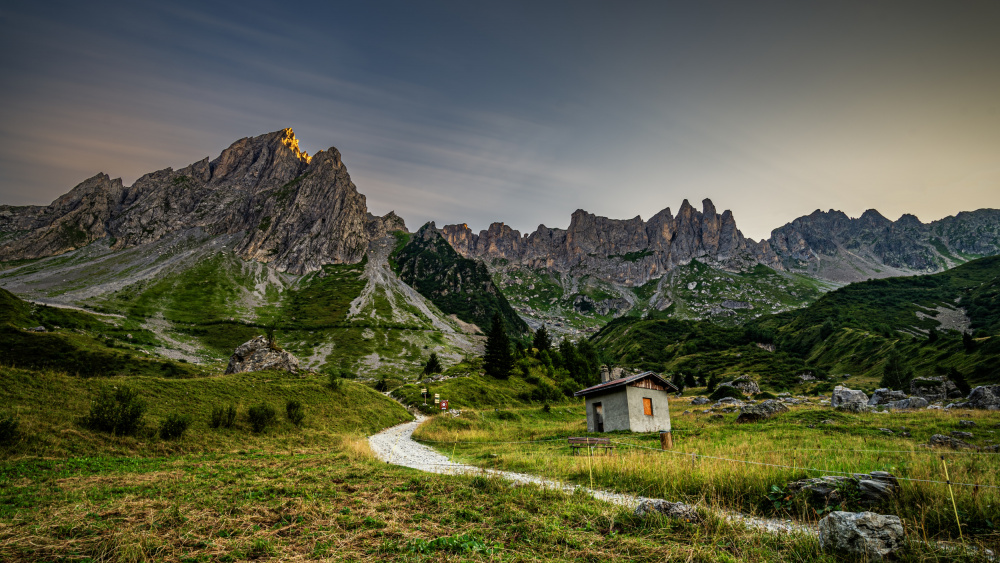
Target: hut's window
647, 406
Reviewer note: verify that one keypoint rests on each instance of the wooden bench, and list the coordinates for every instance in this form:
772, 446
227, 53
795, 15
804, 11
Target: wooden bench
583, 442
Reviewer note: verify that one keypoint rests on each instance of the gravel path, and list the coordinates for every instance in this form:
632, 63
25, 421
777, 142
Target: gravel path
396, 446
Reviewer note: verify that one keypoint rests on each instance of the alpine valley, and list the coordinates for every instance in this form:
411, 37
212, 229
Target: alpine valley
171, 274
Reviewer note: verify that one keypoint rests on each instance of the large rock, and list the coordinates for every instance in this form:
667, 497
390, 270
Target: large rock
258, 355
700, 401
867, 489
934, 388
744, 384
676, 510
864, 534
883, 396
986, 397
848, 399
761, 411
910, 403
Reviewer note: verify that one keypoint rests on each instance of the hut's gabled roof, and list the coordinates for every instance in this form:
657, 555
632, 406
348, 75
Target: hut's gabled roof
621, 382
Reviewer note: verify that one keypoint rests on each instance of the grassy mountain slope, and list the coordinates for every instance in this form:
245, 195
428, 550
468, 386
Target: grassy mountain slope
578, 304
192, 298
848, 331
457, 285
49, 404
78, 342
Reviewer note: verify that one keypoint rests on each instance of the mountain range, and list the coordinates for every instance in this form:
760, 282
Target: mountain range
272, 221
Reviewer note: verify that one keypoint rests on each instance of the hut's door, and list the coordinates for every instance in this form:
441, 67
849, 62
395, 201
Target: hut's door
598, 417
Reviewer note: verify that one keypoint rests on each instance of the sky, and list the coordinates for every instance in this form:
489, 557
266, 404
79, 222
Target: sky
522, 112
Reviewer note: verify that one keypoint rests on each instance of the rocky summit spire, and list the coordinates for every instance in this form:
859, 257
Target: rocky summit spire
293, 210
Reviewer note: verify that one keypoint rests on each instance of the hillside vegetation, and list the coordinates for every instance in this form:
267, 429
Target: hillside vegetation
457, 285
851, 330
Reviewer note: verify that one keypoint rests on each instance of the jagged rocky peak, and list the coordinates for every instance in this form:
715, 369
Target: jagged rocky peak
295, 211
626, 251
833, 246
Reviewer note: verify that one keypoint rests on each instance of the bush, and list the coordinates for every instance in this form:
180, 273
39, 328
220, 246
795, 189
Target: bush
295, 412
224, 417
174, 426
8, 429
764, 395
260, 417
727, 391
334, 382
116, 410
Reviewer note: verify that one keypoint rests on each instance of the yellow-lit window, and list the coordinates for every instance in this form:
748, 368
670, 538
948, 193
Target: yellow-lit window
647, 406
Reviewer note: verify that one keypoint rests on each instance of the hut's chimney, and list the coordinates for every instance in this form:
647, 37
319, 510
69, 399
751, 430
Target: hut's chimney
605, 374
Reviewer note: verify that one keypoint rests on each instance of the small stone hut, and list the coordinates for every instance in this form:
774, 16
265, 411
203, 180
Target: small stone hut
634, 402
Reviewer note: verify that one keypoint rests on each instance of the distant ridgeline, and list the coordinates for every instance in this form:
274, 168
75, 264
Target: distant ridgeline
851, 330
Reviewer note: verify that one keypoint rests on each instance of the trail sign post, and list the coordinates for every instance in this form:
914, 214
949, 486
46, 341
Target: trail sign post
444, 405
423, 391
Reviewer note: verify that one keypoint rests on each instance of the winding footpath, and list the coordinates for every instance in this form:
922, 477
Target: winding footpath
396, 446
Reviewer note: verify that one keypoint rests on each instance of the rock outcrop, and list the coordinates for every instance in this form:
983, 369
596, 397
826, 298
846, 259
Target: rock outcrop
861, 534
761, 411
744, 384
294, 211
934, 388
623, 251
258, 355
985, 397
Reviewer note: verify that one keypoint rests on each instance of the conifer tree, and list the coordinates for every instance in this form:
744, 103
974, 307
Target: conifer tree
433, 365
895, 374
498, 360
541, 341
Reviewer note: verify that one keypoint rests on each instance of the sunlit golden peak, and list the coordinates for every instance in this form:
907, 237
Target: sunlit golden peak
291, 142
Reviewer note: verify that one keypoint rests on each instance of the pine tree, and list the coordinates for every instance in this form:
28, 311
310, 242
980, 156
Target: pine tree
498, 360
433, 365
968, 342
895, 374
541, 341
959, 380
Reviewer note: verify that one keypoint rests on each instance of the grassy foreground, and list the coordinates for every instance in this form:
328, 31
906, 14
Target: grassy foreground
337, 506
796, 440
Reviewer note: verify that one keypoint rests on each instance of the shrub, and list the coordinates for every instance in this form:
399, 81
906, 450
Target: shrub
260, 416
174, 426
8, 429
334, 382
764, 395
116, 410
295, 412
727, 391
224, 417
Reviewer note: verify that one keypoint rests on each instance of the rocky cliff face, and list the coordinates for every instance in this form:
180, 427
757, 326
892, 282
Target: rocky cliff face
295, 211
629, 252
833, 246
